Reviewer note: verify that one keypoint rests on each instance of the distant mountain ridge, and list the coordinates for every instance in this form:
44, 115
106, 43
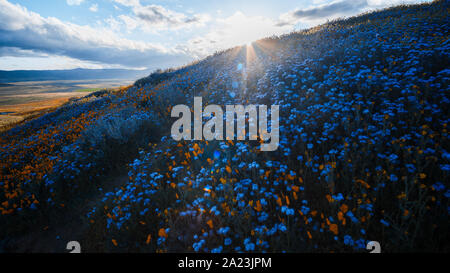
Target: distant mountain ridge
72, 74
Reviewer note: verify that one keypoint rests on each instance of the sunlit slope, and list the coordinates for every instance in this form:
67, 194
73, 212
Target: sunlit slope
363, 154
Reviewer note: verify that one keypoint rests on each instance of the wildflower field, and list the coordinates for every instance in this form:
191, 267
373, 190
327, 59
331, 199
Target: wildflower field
364, 152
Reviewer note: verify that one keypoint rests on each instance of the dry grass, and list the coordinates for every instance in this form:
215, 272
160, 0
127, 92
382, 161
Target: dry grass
11, 115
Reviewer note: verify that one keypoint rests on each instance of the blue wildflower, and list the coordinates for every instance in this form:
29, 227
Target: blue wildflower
384, 222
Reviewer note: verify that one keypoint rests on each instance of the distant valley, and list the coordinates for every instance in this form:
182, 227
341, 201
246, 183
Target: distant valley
27, 93
73, 74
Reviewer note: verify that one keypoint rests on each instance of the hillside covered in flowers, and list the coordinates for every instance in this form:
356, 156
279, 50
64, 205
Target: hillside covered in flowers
364, 150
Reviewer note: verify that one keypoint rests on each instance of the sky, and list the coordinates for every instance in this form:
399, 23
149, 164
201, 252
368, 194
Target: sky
145, 34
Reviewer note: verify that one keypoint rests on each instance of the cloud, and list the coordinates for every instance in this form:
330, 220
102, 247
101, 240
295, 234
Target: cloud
156, 17
47, 62
17, 52
94, 8
128, 3
23, 30
324, 11
129, 22
237, 29
74, 2
388, 3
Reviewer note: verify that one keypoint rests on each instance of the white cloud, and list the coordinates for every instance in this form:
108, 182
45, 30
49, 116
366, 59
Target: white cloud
128, 3
151, 18
113, 24
74, 2
320, 13
388, 3
25, 30
234, 30
93, 8
48, 62
130, 22
322, 10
